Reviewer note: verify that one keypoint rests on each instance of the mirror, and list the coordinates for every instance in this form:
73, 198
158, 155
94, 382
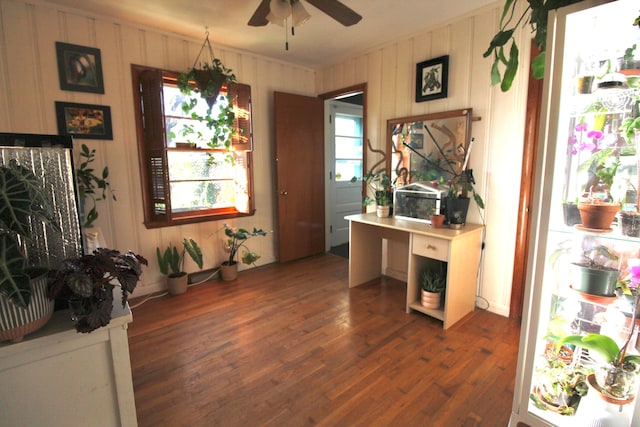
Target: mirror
428, 147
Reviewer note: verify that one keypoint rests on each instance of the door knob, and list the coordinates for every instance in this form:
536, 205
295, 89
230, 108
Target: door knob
284, 192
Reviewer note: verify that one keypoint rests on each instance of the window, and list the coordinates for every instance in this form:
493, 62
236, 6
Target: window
348, 146
184, 180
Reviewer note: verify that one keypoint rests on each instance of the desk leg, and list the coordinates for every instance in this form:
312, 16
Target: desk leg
365, 253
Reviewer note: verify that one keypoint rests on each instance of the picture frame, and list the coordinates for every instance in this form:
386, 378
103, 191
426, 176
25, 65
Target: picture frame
79, 68
432, 79
84, 120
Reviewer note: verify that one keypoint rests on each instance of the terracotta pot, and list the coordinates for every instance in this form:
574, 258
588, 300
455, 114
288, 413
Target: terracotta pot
229, 271
431, 299
437, 221
598, 216
16, 322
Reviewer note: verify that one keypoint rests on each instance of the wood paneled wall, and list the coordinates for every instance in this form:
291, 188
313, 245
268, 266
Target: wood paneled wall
389, 71
29, 86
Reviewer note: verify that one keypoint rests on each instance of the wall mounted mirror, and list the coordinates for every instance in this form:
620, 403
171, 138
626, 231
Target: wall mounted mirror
428, 147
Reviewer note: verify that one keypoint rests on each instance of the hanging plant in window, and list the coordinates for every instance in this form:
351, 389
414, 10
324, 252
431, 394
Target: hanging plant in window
206, 79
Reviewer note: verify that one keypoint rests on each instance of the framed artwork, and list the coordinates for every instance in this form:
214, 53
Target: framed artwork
84, 120
79, 68
431, 79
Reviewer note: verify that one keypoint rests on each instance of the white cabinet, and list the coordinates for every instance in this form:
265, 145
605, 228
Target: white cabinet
59, 377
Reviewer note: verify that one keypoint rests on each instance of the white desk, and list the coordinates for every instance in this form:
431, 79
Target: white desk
460, 249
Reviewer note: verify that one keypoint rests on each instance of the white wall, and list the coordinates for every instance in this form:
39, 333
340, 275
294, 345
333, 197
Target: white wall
389, 71
29, 86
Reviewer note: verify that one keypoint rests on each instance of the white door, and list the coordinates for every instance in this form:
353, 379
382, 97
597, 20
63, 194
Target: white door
345, 135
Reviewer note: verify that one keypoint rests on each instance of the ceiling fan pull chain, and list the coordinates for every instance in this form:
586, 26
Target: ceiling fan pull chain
286, 35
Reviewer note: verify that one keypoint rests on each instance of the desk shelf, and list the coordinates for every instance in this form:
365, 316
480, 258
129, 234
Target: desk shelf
437, 313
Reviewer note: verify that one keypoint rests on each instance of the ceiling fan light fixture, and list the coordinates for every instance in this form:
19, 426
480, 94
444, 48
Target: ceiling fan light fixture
299, 14
279, 10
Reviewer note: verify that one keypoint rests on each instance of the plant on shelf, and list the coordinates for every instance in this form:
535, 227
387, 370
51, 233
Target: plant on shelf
535, 15
616, 378
90, 186
236, 239
171, 263
86, 284
559, 386
433, 281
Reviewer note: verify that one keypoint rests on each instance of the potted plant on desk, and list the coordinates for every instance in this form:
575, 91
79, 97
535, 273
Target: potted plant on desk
382, 188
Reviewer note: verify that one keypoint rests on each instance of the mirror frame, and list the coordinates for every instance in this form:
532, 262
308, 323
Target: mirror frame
451, 130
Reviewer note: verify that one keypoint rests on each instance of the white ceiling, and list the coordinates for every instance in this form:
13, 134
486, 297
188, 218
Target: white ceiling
320, 41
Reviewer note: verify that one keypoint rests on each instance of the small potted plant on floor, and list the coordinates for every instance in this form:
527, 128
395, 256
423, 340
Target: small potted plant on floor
433, 281
171, 263
236, 238
86, 285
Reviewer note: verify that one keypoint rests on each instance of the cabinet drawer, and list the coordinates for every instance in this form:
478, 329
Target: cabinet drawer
430, 247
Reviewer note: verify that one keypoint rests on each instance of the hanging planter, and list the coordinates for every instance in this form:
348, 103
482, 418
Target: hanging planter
206, 78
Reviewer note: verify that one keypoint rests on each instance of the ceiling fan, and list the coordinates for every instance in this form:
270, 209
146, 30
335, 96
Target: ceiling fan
333, 8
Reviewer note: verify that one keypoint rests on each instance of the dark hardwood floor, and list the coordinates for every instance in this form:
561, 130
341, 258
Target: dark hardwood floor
292, 345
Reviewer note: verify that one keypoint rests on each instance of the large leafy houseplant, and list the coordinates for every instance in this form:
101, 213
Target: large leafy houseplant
236, 238
505, 54
86, 284
22, 200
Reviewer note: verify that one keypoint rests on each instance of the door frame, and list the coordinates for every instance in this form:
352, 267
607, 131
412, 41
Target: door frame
337, 94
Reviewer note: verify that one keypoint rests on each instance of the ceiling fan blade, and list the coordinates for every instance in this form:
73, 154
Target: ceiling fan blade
337, 11
259, 18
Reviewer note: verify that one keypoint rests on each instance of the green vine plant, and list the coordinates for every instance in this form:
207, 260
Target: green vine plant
535, 15
91, 186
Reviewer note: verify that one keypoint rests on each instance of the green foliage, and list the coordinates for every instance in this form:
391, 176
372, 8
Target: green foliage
91, 186
381, 186
236, 238
535, 15
433, 280
87, 283
171, 260
603, 345
22, 200
206, 83
194, 251
629, 126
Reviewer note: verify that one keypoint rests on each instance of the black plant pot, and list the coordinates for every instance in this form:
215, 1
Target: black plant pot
457, 209
595, 281
630, 222
571, 214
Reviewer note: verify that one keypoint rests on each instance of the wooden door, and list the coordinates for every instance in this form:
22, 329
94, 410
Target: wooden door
534, 105
299, 139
